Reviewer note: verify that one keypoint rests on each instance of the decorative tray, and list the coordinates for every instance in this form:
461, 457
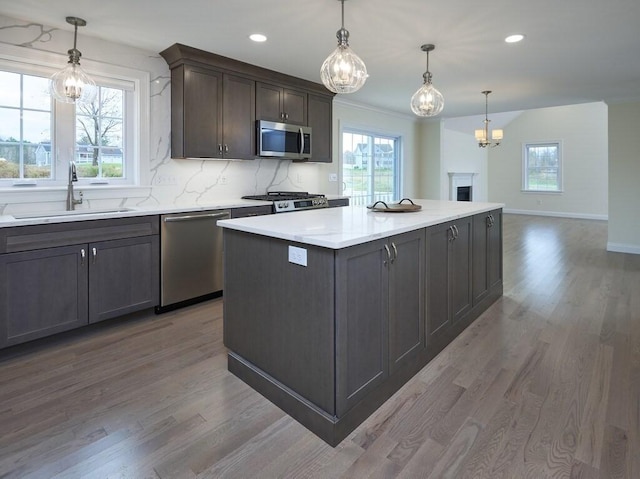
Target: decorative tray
395, 207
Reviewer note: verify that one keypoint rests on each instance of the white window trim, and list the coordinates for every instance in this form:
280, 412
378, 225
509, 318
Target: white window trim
38, 62
524, 188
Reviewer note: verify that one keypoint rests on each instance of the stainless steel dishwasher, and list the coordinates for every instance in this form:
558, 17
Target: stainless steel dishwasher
191, 252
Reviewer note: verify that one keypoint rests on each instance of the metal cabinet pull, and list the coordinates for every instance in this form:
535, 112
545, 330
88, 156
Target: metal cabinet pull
452, 233
395, 252
388, 255
83, 254
220, 148
455, 232
226, 148
94, 253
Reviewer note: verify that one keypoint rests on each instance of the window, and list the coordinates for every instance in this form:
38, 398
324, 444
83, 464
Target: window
25, 127
370, 167
542, 167
108, 139
99, 137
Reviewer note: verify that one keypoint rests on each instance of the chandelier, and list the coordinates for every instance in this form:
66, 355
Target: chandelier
427, 101
482, 136
72, 84
343, 71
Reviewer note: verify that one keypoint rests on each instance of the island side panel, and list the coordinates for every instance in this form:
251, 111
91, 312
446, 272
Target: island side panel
279, 316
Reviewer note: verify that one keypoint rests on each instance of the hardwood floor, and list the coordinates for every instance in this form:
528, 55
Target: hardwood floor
545, 384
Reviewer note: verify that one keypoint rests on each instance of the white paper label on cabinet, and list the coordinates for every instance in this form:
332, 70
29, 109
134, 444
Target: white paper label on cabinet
297, 255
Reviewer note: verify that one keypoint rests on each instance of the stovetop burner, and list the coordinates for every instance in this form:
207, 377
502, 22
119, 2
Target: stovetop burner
284, 201
283, 196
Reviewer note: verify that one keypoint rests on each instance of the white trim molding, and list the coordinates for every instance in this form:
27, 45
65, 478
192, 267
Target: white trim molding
623, 248
558, 214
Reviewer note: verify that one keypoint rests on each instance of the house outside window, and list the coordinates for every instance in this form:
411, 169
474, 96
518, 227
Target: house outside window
370, 167
542, 167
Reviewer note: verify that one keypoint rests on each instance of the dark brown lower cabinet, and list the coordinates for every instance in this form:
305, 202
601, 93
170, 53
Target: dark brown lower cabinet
47, 290
330, 341
123, 277
487, 254
448, 278
42, 292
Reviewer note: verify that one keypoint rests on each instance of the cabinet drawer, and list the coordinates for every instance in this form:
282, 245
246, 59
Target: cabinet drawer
28, 238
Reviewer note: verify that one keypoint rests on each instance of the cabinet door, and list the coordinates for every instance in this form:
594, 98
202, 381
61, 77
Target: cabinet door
294, 106
42, 292
320, 121
438, 317
269, 102
480, 285
238, 116
494, 250
406, 297
361, 322
123, 276
460, 269
202, 113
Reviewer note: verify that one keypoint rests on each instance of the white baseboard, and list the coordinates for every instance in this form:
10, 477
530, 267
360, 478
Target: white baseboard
623, 248
558, 214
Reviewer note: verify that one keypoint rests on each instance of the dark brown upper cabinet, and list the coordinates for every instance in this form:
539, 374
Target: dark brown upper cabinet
275, 103
215, 102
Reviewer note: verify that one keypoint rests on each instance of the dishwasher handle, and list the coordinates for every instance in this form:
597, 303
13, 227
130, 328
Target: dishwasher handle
172, 219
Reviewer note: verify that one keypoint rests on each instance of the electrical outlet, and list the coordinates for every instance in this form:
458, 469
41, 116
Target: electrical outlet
298, 178
297, 255
223, 180
539, 202
333, 177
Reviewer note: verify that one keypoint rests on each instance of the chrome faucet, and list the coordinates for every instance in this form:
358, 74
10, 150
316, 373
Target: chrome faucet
71, 201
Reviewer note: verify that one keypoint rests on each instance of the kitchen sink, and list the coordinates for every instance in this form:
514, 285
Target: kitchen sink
55, 214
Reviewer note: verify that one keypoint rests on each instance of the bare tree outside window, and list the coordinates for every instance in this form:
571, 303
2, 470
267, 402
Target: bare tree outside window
99, 135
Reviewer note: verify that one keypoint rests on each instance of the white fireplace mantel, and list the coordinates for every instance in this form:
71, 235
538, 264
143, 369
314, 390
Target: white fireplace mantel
456, 180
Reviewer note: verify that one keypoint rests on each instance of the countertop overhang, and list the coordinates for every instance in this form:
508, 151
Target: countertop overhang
338, 228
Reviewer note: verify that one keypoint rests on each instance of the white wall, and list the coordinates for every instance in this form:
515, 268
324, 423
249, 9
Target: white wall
624, 178
429, 160
582, 129
461, 154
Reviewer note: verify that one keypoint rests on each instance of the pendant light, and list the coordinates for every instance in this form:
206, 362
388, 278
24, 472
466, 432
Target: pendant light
72, 84
482, 136
343, 71
427, 101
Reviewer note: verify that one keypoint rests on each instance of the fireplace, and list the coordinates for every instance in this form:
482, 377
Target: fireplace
463, 193
461, 186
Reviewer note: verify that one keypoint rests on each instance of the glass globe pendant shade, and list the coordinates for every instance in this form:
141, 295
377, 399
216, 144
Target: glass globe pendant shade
343, 71
72, 85
427, 101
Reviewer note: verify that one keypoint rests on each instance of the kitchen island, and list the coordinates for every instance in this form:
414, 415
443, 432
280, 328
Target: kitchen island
328, 312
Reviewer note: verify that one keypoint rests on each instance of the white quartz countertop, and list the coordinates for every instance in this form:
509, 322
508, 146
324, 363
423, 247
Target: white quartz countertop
80, 214
338, 228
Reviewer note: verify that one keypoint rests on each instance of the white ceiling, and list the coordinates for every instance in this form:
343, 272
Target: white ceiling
575, 51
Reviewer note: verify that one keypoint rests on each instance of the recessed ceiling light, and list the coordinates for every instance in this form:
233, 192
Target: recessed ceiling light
258, 37
518, 37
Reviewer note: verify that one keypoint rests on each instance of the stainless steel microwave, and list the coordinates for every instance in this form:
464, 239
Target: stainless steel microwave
282, 140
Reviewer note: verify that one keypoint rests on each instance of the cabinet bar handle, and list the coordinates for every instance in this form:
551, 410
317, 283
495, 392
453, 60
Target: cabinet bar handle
452, 235
395, 252
226, 148
83, 254
173, 219
455, 228
94, 252
388, 254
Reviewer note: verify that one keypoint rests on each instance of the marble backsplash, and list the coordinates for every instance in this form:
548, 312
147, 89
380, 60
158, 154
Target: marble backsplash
167, 181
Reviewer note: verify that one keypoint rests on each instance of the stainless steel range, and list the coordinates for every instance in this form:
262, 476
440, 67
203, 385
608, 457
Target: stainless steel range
285, 201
